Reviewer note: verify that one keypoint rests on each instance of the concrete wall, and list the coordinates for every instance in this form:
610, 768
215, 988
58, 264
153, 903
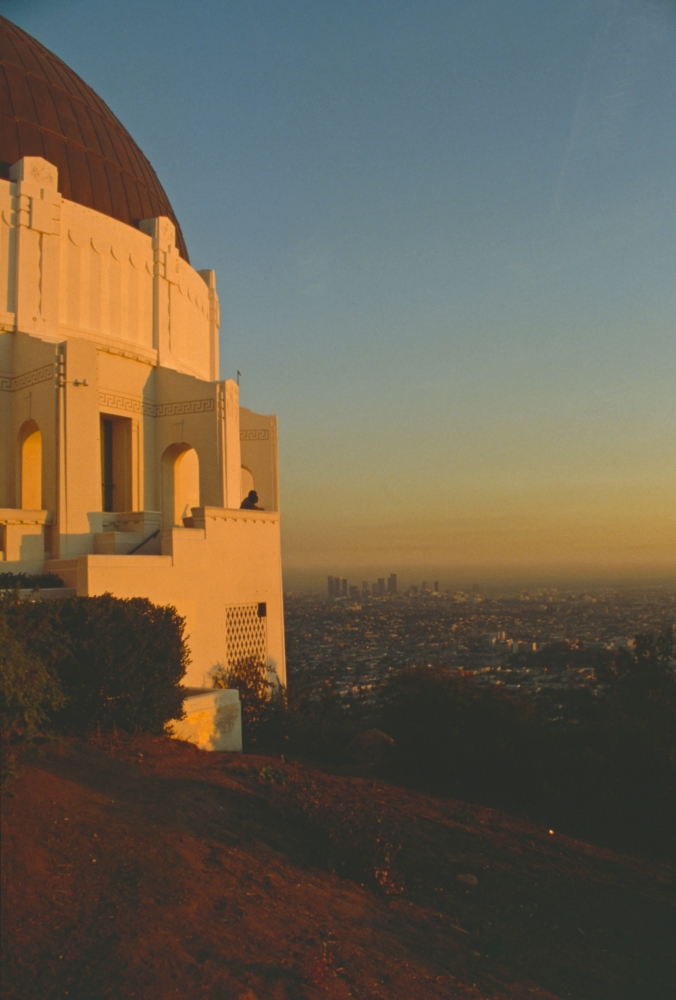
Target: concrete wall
230, 559
258, 443
212, 721
66, 270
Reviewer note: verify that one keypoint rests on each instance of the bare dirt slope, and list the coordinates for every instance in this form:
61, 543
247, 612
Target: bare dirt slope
142, 867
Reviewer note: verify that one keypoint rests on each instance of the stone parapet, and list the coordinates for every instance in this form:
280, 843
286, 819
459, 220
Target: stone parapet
22, 535
202, 515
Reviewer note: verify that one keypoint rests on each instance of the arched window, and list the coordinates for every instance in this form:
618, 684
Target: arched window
247, 482
180, 483
30, 466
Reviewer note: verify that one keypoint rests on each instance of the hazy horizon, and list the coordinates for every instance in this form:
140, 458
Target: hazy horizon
489, 579
443, 235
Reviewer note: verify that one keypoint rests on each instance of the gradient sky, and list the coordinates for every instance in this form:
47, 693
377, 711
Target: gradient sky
444, 233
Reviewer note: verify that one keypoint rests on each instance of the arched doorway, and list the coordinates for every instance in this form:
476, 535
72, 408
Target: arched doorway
247, 482
30, 466
180, 483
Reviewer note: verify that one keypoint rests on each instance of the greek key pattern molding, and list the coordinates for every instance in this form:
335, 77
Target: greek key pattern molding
116, 401
191, 406
260, 435
12, 384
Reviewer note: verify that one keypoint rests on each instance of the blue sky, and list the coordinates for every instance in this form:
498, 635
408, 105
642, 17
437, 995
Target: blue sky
444, 240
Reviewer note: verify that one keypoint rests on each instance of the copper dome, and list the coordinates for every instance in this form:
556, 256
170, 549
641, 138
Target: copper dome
47, 110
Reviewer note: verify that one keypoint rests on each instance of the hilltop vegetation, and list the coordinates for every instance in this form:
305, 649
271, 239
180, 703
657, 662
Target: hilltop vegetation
86, 664
600, 764
142, 867
136, 865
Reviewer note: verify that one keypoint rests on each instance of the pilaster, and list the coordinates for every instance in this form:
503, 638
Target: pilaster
232, 460
79, 448
165, 275
214, 322
37, 220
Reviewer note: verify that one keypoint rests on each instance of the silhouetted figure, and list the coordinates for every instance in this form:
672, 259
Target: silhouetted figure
250, 502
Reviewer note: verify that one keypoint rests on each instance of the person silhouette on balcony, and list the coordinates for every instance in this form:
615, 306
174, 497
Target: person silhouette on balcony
250, 502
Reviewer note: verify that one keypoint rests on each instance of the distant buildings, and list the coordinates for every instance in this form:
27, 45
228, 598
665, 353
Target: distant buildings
338, 586
500, 639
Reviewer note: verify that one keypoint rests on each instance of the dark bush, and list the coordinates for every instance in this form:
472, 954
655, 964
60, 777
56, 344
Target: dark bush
455, 737
119, 662
305, 723
24, 581
29, 693
263, 702
597, 766
320, 725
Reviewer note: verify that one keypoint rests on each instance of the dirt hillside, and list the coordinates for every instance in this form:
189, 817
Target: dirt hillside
142, 867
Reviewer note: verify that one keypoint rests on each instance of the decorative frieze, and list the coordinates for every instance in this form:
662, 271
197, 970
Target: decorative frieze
254, 435
190, 406
117, 401
10, 383
130, 404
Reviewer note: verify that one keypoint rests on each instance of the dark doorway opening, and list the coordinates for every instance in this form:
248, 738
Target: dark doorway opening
116, 464
108, 485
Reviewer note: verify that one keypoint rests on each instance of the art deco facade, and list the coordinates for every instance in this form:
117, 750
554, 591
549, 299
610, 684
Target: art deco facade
123, 456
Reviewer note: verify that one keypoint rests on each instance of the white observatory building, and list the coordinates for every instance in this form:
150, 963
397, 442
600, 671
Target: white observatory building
123, 456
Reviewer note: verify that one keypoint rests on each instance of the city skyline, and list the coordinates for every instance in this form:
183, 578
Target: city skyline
391, 584
448, 264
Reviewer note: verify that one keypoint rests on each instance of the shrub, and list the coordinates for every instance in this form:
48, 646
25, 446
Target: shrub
456, 737
305, 723
29, 692
320, 725
263, 702
119, 662
24, 581
597, 766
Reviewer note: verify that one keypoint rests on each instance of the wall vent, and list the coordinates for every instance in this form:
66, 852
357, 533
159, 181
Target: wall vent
246, 633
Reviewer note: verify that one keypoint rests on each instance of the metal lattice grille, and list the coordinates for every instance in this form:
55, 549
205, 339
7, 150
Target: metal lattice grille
246, 633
